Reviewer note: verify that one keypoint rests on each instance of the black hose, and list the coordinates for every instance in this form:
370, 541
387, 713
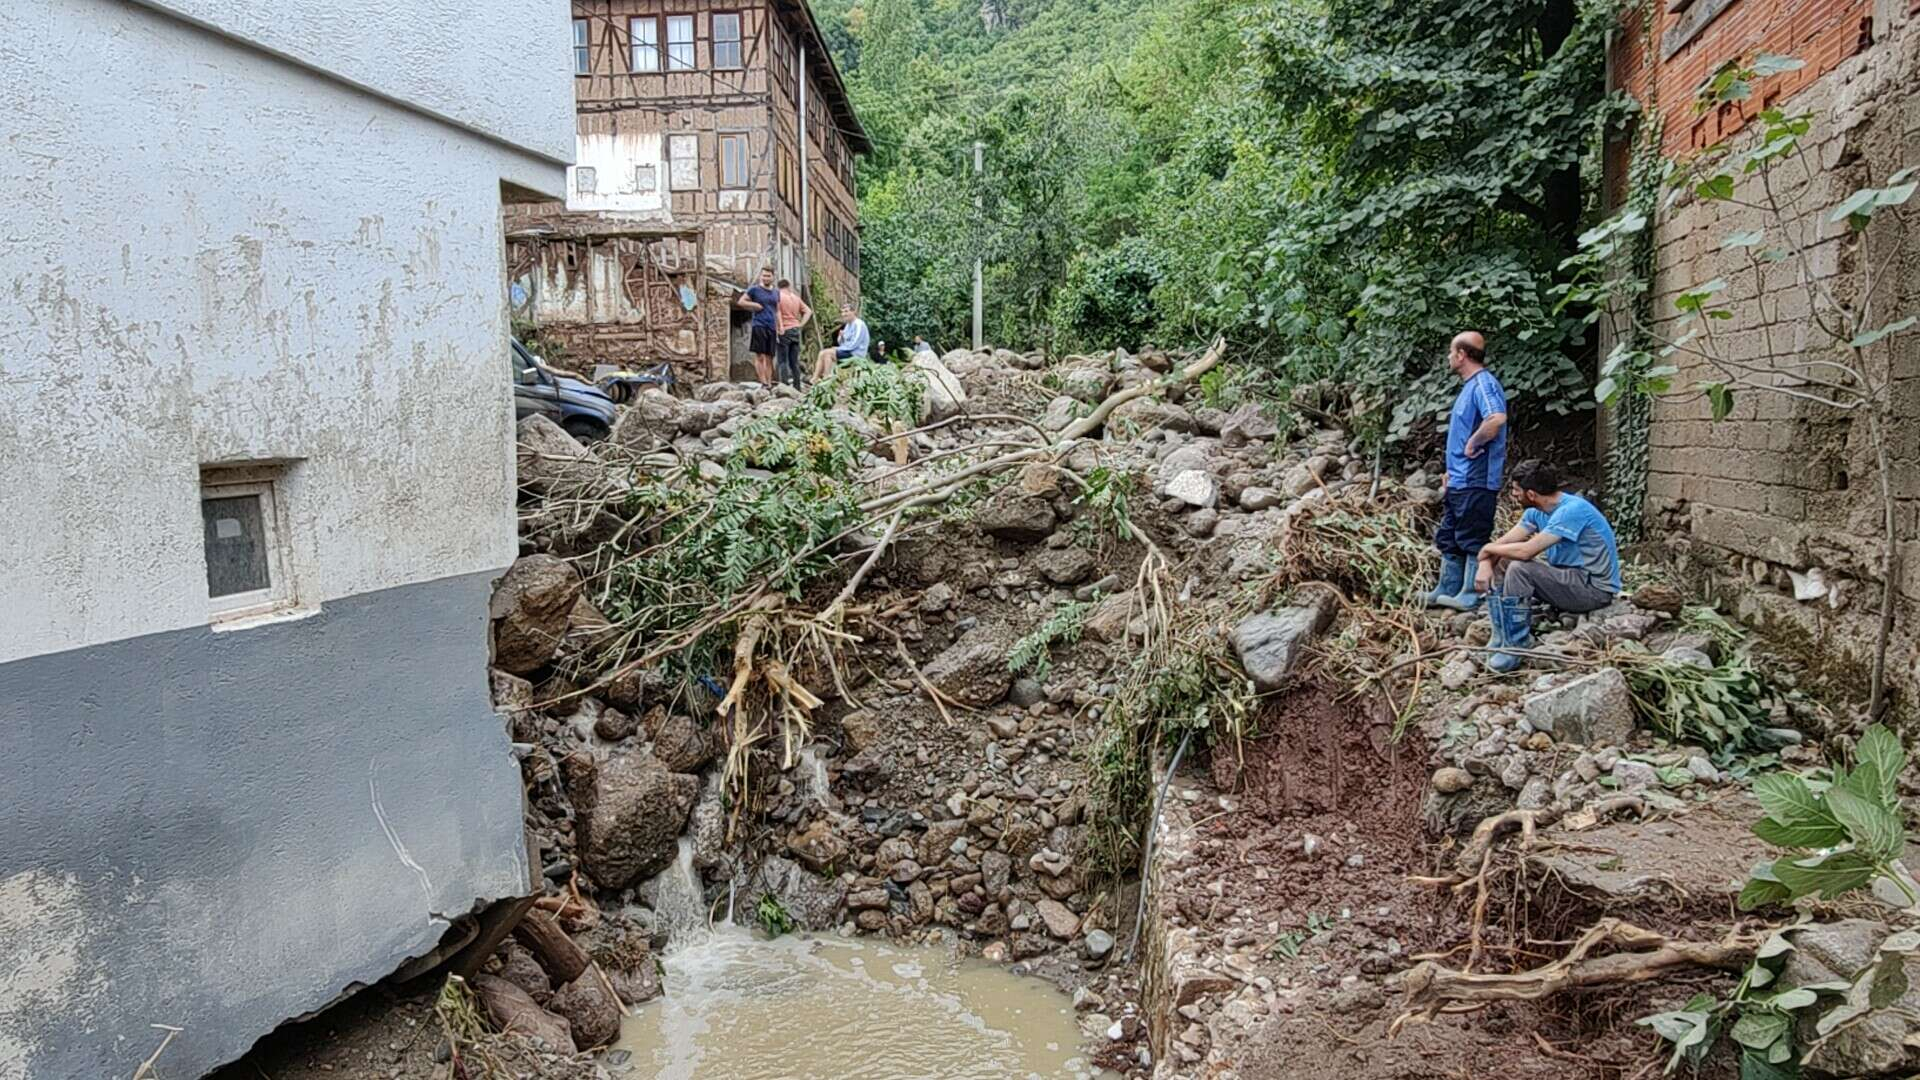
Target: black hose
1153, 829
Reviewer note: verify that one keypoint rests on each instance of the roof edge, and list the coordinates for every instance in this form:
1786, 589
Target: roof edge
843, 103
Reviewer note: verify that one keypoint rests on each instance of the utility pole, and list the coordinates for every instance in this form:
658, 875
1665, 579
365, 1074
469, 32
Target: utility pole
979, 206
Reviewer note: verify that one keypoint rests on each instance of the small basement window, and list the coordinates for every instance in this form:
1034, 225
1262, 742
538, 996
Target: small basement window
245, 544
586, 179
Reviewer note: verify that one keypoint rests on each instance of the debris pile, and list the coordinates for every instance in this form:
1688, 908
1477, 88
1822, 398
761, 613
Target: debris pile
916, 653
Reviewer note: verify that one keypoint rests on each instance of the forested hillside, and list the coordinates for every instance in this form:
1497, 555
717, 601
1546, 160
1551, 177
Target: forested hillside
1335, 184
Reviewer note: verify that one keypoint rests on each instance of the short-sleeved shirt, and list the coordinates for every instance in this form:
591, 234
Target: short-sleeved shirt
1479, 397
1586, 540
790, 306
769, 301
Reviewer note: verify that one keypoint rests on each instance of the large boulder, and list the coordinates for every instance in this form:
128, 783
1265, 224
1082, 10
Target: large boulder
592, 1016
1594, 709
973, 671
944, 397
1148, 413
1246, 424
1086, 380
1012, 514
631, 813
530, 610
650, 421
514, 1012
548, 459
1270, 644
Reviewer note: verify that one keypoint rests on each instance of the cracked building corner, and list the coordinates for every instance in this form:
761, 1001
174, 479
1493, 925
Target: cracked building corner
259, 482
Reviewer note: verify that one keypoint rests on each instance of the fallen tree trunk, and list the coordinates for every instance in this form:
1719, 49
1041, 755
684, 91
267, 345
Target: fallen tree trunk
1644, 955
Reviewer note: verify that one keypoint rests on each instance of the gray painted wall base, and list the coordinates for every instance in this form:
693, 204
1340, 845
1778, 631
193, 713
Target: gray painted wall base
219, 831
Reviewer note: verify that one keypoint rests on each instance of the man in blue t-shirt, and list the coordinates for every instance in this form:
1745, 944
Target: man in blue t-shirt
764, 301
1476, 456
1581, 572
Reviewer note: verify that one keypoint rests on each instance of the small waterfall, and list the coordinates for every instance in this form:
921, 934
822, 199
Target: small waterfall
811, 770
678, 903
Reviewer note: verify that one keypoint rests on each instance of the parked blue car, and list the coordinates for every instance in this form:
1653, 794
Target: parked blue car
580, 408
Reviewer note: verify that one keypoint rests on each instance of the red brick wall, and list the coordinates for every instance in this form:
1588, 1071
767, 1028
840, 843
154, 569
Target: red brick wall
1821, 32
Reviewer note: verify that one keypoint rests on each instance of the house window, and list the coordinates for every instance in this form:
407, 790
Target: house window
683, 162
586, 180
243, 538
733, 161
726, 40
679, 43
646, 178
645, 35
582, 58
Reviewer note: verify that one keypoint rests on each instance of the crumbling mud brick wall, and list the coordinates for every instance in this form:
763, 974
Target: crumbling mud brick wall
1785, 492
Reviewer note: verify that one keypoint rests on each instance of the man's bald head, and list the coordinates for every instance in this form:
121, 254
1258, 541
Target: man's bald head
1468, 353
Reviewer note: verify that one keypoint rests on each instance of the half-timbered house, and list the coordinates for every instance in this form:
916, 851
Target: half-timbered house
714, 137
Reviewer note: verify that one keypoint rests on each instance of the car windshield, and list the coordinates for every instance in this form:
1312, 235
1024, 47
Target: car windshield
522, 359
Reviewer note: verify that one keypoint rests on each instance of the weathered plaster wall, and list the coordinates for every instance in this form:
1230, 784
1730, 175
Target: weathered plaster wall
630, 175
488, 65
218, 831
213, 255
1782, 487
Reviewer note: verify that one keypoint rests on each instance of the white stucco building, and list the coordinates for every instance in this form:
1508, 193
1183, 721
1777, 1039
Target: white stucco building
256, 476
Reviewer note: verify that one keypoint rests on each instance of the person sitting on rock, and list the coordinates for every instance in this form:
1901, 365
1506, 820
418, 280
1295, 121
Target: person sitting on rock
1581, 572
854, 341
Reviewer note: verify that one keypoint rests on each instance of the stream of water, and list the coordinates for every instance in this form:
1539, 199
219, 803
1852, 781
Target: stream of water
738, 1007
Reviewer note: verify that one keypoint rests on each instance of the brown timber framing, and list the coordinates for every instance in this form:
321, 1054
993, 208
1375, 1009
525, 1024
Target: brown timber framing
757, 220
652, 272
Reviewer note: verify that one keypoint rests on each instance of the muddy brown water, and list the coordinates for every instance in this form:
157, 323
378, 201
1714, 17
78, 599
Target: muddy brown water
738, 1007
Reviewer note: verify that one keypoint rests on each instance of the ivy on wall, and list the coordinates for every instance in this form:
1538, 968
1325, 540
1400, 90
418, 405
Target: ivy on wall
1630, 417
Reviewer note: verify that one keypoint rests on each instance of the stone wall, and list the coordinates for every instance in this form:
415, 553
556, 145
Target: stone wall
1784, 491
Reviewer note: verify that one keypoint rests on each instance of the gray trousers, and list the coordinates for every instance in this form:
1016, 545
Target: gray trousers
1566, 588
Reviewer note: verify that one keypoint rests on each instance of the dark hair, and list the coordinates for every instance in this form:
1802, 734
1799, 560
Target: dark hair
766, 269
785, 284
1474, 353
1538, 477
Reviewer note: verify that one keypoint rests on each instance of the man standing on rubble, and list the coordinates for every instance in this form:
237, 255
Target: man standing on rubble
794, 317
764, 301
1476, 457
1580, 574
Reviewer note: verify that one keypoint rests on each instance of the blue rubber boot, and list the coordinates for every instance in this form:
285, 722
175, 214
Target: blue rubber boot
1453, 574
1466, 599
1515, 618
1496, 627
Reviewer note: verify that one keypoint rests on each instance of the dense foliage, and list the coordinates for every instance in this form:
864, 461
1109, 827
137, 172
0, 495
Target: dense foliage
1338, 185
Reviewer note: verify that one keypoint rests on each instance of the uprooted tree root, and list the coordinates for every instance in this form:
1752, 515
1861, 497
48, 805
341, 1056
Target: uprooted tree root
1641, 955
1628, 953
